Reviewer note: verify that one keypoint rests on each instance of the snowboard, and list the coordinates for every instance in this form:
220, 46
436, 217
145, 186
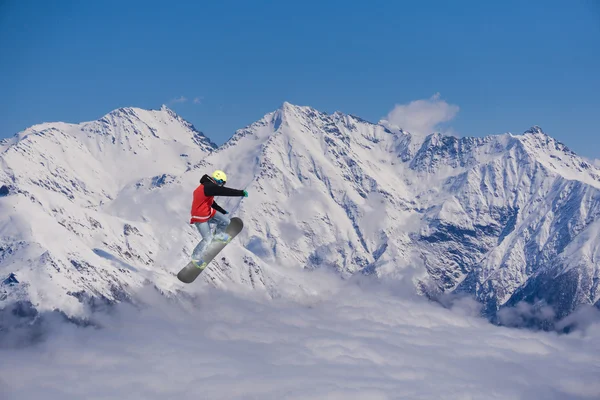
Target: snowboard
191, 271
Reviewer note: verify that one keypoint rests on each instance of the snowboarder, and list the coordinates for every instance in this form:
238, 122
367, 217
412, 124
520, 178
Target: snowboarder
204, 212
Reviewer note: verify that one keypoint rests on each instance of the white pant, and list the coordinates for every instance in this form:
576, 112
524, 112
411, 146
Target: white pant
205, 229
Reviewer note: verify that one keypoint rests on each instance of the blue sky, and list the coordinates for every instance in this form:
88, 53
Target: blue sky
501, 66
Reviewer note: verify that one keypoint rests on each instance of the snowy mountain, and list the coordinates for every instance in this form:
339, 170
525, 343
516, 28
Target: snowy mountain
96, 210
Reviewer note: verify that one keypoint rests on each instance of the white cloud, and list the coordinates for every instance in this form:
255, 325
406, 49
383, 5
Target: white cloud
354, 339
180, 99
198, 100
422, 116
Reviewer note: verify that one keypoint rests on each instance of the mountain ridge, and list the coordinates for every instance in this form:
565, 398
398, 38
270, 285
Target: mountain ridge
327, 190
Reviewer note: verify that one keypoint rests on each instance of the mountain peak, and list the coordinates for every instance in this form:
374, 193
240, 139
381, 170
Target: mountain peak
139, 112
290, 112
289, 108
122, 111
535, 130
170, 112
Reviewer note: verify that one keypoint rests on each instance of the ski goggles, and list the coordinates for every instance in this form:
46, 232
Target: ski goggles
219, 182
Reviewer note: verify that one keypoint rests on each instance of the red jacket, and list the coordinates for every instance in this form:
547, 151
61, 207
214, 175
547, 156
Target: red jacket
204, 206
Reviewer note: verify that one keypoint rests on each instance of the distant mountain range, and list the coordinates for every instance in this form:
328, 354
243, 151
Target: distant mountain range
89, 212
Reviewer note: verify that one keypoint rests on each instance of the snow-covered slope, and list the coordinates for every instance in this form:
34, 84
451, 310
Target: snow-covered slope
55, 237
97, 209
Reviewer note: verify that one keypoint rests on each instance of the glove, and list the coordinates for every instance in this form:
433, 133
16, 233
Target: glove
245, 193
225, 212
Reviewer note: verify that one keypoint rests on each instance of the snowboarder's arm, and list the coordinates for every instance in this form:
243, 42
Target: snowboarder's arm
211, 189
218, 208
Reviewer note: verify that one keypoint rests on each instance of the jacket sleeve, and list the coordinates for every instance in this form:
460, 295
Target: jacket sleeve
211, 189
218, 207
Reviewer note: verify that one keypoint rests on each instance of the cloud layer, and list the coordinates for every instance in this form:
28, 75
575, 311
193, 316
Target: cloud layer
422, 116
355, 339
183, 99
180, 99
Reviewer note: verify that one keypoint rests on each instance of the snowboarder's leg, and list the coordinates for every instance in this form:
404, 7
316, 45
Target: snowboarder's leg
206, 233
193, 269
222, 221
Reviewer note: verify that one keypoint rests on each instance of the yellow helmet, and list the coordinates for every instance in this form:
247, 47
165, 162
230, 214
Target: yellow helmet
219, 176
